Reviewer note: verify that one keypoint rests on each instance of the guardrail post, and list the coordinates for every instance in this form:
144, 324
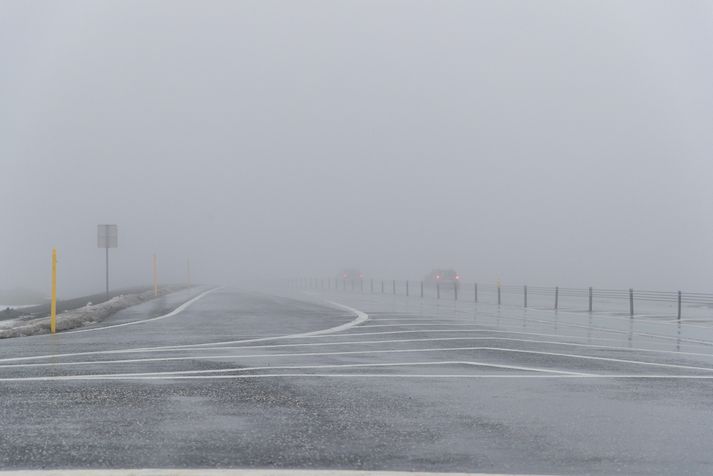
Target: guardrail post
590, 299
679, 305
524, 293
407, 287
421, 288
631, 302
557, 297
475, 292
438, 290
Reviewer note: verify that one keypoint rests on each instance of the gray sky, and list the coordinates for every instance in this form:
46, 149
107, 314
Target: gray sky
546, 142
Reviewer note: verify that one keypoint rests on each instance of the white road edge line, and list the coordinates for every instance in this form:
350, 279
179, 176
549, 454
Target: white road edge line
360, 318
287, 367
358, 352
176, 311
387, 375
231, 472
217, 345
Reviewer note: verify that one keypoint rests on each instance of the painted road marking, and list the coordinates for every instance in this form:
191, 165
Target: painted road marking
359, 352
387, 375
382, 341
232, 472
175, 312
290, 367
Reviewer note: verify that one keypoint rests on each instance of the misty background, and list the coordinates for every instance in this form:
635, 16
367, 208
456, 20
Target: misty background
544, 142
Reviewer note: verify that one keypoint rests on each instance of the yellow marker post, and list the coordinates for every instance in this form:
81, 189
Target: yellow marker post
155, 276
53, 306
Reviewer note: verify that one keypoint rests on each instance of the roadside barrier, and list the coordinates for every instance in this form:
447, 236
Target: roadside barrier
627, 301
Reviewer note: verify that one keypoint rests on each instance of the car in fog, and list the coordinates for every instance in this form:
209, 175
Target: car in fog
444, 278
351, 274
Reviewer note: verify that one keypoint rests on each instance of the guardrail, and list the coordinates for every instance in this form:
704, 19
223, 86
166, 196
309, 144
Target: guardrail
549, 297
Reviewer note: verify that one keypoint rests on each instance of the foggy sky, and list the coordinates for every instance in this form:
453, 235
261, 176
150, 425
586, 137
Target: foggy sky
544, 142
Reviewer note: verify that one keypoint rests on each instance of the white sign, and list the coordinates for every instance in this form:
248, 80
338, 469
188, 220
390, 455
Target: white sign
107, 236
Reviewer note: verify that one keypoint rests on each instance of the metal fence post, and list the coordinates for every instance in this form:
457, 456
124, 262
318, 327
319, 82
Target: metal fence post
371, 284
455, 291
407, 287
631, 302
438, 290
524, 293
557, 297
499, 300
475, 292
393, 287
679, 305
590, 299
421, 288
382, 286
361, 285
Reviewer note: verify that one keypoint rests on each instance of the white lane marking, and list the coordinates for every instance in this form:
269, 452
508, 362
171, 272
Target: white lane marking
368, 352
352, 334
390, 351
249, 356
289, 367
191, 347
230, 472
176, 311
459, 331
419, 376
422, 325
607, 359
622, 333
360, 317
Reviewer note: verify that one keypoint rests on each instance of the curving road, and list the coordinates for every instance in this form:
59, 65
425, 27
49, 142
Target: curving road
210, 378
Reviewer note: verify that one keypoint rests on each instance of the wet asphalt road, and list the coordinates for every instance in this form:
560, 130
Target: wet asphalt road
243, 379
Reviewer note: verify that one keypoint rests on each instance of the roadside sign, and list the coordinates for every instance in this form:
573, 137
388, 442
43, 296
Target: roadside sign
107, 236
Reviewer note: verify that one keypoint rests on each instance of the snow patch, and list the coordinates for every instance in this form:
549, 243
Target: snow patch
83, 316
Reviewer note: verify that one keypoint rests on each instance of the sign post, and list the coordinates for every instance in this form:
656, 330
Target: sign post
107, 237
53, 304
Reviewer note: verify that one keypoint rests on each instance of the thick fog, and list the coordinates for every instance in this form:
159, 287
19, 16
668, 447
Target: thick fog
542, 142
